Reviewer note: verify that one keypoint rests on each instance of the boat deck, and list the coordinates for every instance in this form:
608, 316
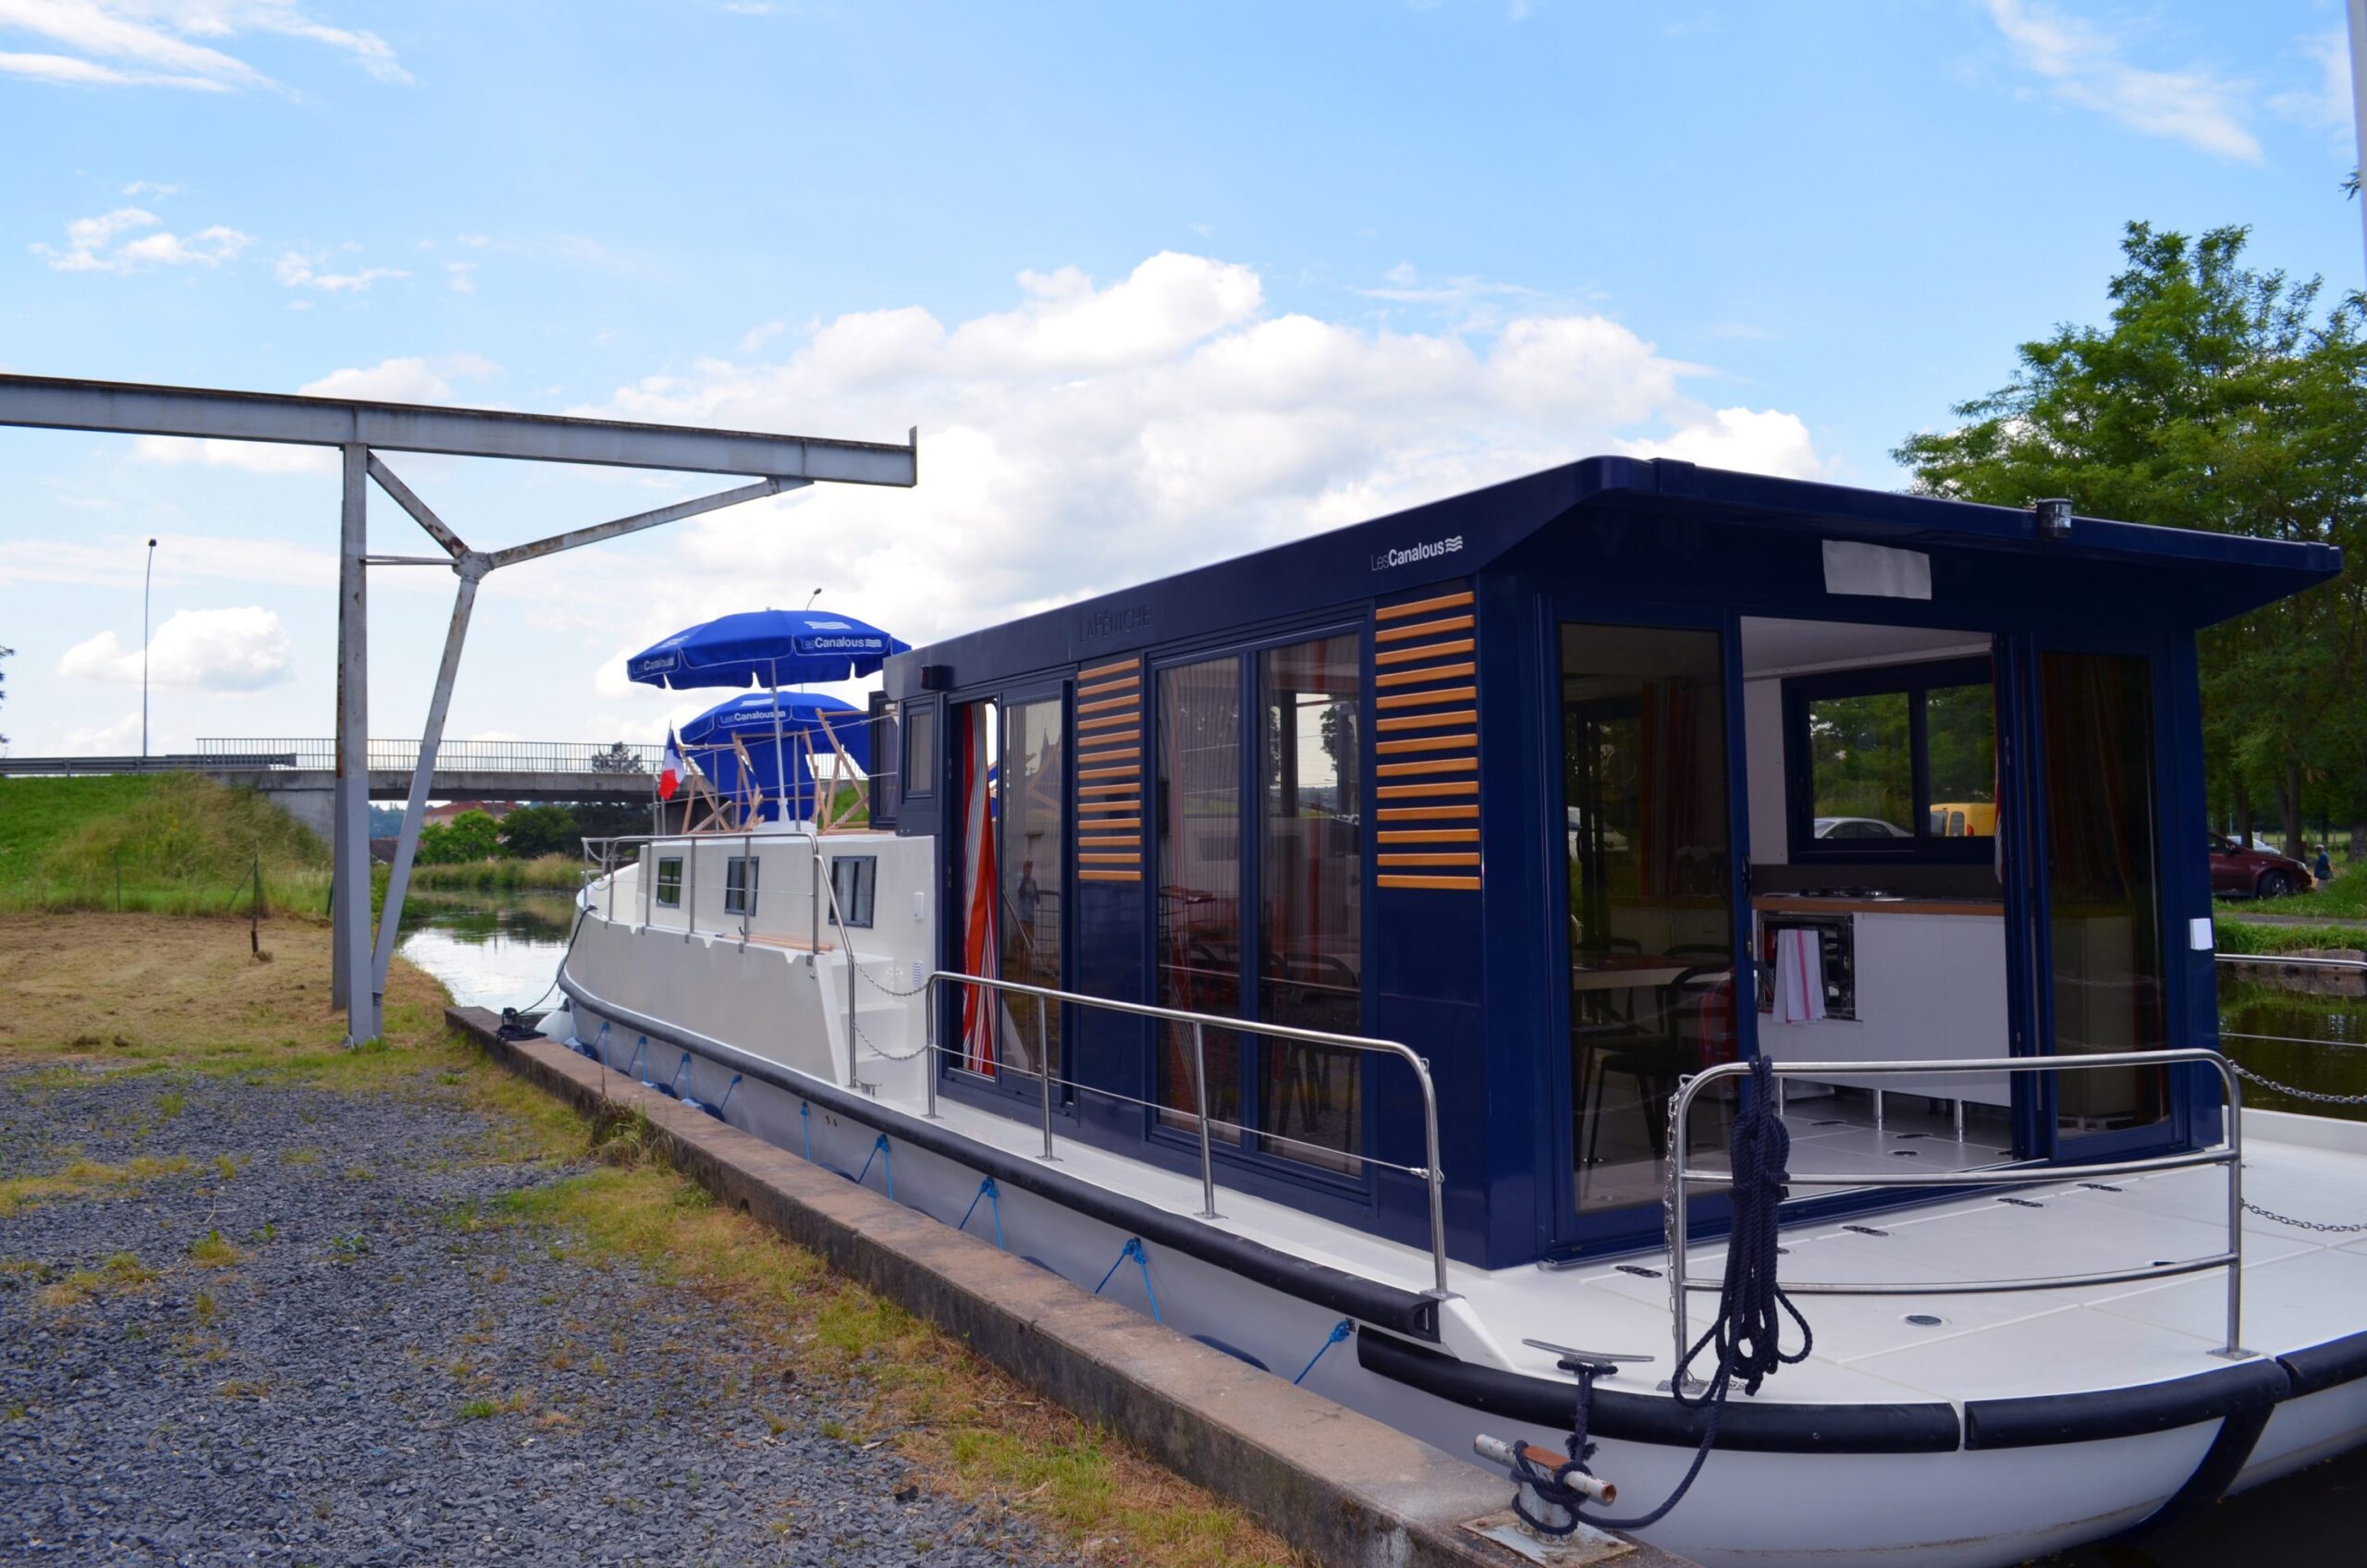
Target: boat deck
2302, 1289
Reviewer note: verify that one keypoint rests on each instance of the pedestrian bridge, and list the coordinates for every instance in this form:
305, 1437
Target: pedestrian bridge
301, 774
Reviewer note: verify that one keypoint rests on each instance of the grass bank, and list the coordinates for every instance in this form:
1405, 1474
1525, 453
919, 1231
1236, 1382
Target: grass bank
558, 874
177, 996
168, 843
2344, 897
2237, 934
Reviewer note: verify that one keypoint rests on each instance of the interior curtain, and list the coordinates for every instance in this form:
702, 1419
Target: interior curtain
981, 939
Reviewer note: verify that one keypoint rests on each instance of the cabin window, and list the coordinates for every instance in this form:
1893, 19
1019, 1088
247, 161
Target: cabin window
920, 749
1199, 817
1033, 822
1896, 764
670, 882
855, 882
1310, 875
739, 884
2104, 898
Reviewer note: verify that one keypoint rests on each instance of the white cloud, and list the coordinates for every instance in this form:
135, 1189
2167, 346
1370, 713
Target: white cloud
1095, 436
247, 457
458, 277
407, 380
2324, 104
120, 738
226, 650
119, 562
149, 188
2084, 65
91, 243
152, 42
298, 271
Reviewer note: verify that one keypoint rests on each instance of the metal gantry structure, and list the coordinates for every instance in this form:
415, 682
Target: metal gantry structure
359, 432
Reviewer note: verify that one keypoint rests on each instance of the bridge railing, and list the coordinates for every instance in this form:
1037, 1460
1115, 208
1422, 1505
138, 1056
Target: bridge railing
452, 756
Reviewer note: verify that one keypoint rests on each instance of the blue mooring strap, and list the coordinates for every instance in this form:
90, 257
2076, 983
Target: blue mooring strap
879, 1147
1745, 1331
1134, 1249
1339, 1330
988, 1191
640, 1062
673, 1085
727, 1096
805, 1120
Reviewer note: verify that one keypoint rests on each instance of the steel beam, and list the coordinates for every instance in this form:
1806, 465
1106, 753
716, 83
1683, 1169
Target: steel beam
352, 923
639, 520
420, 511
390, 919
56, 403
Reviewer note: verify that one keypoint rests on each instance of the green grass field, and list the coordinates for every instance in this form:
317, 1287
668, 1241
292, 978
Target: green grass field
170, 844
2344, 898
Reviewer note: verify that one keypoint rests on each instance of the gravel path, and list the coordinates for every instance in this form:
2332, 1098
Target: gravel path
338, 1391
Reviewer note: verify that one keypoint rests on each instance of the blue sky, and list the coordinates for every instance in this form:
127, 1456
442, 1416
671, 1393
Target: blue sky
1158, 282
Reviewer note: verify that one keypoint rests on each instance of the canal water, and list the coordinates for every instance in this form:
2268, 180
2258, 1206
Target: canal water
501, 949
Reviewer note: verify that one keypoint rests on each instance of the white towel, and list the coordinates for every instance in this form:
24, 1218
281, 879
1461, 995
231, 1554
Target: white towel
1799, 974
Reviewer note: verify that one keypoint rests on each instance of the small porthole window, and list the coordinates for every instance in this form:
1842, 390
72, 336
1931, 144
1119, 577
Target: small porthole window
739, 884
854, 879
670, 882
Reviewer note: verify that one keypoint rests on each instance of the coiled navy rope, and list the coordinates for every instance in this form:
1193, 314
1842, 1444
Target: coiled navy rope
1748, 1332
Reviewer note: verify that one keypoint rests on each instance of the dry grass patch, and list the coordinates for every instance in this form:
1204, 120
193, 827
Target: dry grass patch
124, 1271
972, 1430
82, 1178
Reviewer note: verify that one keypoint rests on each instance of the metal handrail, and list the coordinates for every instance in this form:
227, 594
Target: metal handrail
1432, 1177
2297, 960
2229, 1153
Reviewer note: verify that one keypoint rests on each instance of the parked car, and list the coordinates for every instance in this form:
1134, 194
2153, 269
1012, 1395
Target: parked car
1859, 828
1964, 819
2263, 874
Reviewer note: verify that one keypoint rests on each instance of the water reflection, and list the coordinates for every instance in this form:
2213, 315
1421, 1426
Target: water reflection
490, 949
2292, 1035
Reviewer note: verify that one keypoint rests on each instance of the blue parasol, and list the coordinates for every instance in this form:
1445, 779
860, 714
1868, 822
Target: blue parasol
793, 712
764, 648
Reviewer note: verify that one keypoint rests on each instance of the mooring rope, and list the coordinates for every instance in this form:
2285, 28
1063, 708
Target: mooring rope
993, 1197
1134, 1249
1339, 1330
1747, 1332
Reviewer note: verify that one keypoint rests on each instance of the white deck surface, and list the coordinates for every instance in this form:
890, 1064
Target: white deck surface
2301, 1289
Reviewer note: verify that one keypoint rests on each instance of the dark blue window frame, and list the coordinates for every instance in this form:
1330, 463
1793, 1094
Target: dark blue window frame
1925, 848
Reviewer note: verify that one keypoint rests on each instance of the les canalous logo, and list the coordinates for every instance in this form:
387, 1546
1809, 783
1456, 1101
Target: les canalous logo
1412, 554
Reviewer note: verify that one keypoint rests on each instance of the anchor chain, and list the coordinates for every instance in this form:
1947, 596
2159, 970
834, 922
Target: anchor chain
2317, 1096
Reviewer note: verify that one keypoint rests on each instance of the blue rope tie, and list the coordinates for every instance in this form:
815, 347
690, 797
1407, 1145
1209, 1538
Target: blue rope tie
600, 1043
640, 1063
994, 1204
1339, 1330
805, 1120
727, 1096
1134, 1249
879, 1147
673, 1085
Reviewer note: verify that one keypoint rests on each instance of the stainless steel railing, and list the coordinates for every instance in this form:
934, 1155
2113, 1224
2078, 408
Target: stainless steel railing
1431, 1175
2229, 1154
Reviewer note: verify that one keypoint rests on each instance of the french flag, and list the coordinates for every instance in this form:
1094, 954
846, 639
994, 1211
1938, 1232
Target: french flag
669, 770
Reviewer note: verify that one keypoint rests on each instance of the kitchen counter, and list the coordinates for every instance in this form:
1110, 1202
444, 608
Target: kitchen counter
1779, 903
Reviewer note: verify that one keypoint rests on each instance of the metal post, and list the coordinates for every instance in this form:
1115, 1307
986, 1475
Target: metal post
747, 879
846, 950
147, 576
1959, 1107
1676, 1231
1044, 1071
352, 837
1435, 1175
647, 861
813, 912
2358, 14
929, 1049
2234, 1349
390, 916
1208, 1158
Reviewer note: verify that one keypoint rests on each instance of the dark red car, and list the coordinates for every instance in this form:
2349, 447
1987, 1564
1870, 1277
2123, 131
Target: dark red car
2239, 872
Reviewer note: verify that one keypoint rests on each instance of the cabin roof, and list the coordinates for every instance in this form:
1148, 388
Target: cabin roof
2203, 577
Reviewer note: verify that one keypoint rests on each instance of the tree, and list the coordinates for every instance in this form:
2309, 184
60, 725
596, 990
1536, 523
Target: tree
539, 830
618, 758
470, 835
2218, 397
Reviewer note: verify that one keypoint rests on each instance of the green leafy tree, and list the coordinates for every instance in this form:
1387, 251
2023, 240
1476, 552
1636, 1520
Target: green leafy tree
539, 830
2220, 398
472, 835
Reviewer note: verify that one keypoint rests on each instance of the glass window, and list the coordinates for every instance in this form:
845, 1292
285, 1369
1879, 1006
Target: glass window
1032, 823
920, 748
2104, 908
1863, 766
739, 884
1311, 881
1894, 762
853, 882
670, 882
1198, 804
1650, 895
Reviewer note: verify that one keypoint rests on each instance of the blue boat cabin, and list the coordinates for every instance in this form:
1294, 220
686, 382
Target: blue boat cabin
1576, 784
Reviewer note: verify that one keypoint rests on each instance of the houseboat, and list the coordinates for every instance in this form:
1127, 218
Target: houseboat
1360, 953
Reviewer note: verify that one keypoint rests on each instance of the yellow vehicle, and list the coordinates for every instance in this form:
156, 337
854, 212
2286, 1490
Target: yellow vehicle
1964, 819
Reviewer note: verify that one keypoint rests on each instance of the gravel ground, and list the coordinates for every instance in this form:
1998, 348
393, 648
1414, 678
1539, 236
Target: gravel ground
308, 1401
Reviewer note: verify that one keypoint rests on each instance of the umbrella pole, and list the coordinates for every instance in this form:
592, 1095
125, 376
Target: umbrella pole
780, 770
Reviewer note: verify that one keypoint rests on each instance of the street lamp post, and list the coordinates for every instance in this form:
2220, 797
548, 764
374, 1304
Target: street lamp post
146, 578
